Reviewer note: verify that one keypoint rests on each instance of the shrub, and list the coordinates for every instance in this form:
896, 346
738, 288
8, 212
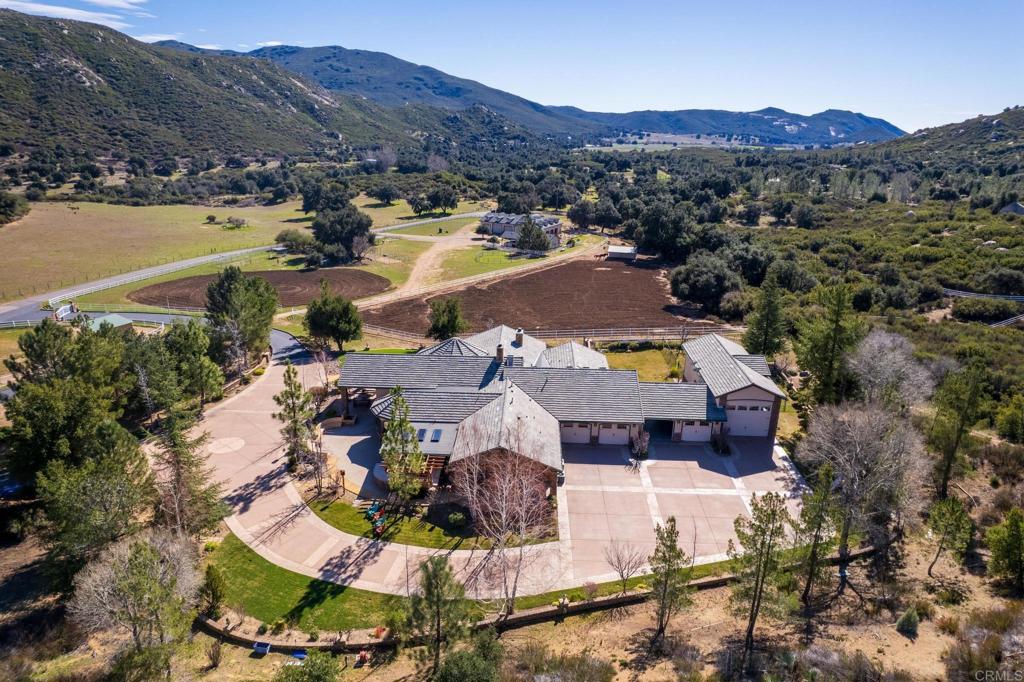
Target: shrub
908, 622
259, 371
262, 629
984, 309
948, 624
457, 520
214, 654
314, 635
213, 591
925, 609
278, 627
590, 591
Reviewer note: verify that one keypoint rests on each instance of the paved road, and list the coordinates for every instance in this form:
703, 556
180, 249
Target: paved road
28, 308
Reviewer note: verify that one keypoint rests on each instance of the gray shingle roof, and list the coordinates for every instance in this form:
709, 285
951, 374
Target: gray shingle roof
572, 354
713, 357
454, 346
370, 370
595, 395
758, 363
513, 422
441, 406
488, 341
679, 401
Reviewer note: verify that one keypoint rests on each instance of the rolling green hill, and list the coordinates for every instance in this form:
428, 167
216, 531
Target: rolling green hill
89, 86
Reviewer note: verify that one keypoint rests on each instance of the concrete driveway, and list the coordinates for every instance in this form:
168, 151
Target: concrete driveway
608, 500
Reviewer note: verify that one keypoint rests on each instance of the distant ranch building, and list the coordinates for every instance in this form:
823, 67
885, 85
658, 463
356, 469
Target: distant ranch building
616, 251
507, 226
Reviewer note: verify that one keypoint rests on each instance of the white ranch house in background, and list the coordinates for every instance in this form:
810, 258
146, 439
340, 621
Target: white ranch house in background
501, 387
507, 226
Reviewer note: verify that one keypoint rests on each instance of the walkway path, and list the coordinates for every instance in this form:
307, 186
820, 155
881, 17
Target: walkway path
271, 518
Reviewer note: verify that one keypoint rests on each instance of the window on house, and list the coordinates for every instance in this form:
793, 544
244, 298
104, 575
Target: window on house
703, 423
731, 407
742, 408
691, 423
421, 434
435, 436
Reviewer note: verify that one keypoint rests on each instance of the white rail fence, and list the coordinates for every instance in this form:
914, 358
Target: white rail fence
1009, 322
621, 334
150, 273
18, 324
638, 333
956, 293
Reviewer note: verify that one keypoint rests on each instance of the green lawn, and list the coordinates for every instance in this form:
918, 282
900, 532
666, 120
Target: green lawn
398, 257
477, 260
251, 263
9, 343
651, 365
268, 592
60, 244
399, 211
433, 532
436, 229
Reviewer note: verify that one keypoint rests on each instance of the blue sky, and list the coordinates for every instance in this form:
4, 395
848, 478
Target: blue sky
913, 62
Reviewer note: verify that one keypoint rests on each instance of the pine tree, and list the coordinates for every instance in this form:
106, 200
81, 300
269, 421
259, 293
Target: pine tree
825, 340
296, 413
670, 567
532, 237
446, 319
1006, 542
189, 498
815, 532
759, 566
952, 528
958, 404
438, 612
400, 450
766, 333
333, 317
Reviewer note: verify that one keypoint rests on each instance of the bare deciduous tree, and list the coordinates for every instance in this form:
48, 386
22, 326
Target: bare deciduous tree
626, 560
887, 371
145, 586
506, 494
879, 464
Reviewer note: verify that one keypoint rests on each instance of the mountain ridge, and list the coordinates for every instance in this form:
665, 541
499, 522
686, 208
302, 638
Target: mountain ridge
394, 82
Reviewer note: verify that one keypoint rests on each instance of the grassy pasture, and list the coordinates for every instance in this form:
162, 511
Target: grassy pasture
399, 212
477, 260
396, 258
61, 244
441, 229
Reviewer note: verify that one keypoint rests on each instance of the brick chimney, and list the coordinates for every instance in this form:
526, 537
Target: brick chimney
500, 354
519, 336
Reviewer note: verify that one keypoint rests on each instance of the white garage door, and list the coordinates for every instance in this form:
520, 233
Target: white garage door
751, 419
575, 433
697, 431
613, 434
